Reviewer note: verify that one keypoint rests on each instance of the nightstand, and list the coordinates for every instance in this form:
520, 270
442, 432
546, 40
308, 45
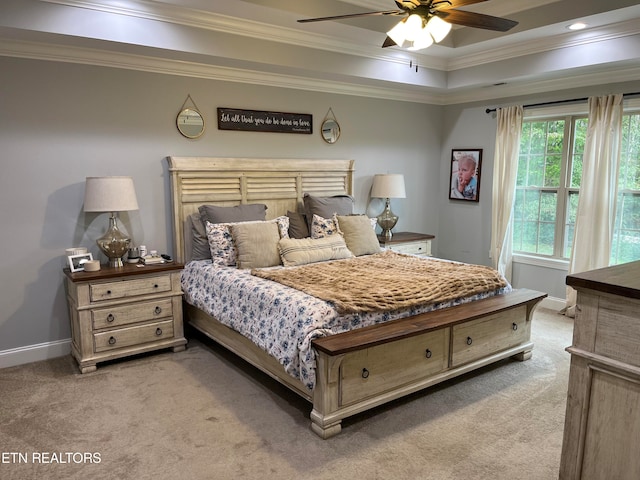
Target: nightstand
408, 242
116, 312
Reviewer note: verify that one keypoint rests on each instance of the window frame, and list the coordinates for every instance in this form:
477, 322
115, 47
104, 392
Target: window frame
568, 112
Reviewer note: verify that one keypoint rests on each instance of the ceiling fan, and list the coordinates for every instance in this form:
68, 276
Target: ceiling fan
426, 21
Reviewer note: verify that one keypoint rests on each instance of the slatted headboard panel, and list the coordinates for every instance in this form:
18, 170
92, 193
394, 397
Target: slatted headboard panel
278, 183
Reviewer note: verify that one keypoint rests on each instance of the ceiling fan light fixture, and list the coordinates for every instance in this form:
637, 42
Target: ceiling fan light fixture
438, 28
414, 27
399, 33
422, 40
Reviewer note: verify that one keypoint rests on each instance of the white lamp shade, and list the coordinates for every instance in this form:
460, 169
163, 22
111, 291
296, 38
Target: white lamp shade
438, 28
399, 33
422, 40
109, 194
389, 185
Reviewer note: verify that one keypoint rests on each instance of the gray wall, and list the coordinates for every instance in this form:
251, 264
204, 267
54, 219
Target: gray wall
60, 123
464, 228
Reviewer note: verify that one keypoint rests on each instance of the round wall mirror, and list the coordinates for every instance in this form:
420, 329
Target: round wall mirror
330, 130
190, 123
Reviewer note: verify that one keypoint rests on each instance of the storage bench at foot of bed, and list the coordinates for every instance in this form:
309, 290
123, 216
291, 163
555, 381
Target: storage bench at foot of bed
367, 367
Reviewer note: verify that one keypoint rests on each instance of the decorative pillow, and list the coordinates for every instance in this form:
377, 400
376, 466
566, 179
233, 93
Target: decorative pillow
199, 242
256, 244
298, 226
326, 206
323, 227
220, 239
221, 245
360, 238
238, 213
300, 251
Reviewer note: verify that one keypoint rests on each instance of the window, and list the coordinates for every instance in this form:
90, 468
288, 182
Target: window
548, 187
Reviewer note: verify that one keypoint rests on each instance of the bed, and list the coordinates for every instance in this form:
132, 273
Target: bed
362, 368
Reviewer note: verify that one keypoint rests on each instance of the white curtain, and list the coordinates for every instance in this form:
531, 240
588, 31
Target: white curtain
505, 167
598, 191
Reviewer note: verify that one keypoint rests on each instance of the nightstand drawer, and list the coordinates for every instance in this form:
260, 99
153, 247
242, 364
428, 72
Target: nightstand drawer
130, 288
127, 314
415, 248
126, 337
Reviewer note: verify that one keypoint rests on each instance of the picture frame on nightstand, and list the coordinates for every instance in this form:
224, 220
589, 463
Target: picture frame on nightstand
76, 262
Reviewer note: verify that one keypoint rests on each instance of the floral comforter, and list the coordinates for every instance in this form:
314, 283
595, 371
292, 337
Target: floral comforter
281, 320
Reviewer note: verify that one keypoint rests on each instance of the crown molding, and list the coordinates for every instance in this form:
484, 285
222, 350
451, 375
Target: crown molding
551, 43
89, 56
517, 89
204, 20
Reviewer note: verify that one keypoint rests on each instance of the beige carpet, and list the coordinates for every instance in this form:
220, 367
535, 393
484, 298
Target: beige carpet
203, 414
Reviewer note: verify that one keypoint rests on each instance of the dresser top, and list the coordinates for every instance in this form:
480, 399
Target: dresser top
623, 280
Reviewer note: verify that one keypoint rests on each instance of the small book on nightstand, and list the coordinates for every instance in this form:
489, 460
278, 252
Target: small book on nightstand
152, 260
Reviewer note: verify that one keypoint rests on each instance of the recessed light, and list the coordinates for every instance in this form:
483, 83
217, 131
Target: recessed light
577, 26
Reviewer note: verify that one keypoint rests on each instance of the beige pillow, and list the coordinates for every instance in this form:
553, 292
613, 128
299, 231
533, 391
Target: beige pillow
360, 238
256, 244
300, 251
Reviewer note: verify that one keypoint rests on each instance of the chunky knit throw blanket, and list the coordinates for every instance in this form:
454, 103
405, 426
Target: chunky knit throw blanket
386, 281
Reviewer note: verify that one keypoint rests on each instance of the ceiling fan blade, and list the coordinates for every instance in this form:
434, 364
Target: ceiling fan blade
448, 5
353, 15
388, 42
477, 20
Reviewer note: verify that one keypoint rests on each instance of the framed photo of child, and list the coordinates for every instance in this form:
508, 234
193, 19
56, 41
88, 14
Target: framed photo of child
464, 182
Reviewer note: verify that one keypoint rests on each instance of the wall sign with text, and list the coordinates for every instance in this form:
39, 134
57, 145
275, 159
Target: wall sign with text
261, 121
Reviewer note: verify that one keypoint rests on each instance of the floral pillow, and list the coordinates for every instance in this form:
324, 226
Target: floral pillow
323, 227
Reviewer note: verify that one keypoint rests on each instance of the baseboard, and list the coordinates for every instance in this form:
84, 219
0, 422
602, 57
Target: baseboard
34, 353
553, 303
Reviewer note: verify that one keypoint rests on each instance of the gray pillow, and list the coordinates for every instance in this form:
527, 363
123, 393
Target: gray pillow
298, 227
199, 244
240, 213
326, 207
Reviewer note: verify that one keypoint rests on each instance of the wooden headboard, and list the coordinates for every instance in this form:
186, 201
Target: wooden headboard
278, 183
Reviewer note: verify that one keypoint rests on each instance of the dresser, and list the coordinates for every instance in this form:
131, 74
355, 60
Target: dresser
602, 423
408, 242
117, 312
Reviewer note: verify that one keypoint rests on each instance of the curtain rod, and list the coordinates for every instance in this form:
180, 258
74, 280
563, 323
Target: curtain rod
559, 102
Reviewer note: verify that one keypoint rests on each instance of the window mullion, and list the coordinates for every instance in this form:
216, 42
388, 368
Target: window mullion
562, 191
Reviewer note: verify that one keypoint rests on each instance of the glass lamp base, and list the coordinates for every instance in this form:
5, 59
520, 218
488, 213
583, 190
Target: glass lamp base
114, 244
387, 220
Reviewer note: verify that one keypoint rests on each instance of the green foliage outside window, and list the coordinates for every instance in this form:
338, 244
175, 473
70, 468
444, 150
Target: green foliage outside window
548, 187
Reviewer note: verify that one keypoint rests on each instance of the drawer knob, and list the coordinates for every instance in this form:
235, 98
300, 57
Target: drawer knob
158, 331
157, 310
365, 373
428, 353
112, 340
155, 286
110, 318
469, 340
514, 326
108, 292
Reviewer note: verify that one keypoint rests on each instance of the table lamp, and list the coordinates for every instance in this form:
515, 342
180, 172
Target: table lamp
111, 194
389, 185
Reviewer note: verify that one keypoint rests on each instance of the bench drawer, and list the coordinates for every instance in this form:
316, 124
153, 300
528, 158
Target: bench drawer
377, 369
482, 337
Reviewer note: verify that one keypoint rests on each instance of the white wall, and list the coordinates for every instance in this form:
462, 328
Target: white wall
60, 123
